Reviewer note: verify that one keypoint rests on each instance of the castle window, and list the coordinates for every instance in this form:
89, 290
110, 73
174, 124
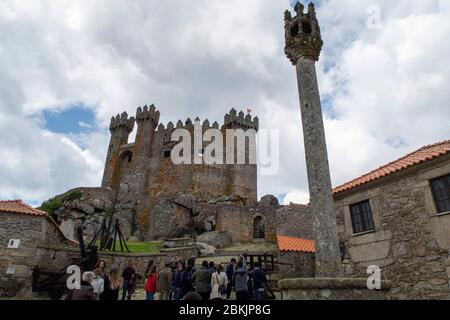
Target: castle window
130, 157
306, 28
441, 193
295, 30
259, 231
361, 215
167, 154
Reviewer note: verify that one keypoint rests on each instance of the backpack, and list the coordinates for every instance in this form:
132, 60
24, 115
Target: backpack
186, 281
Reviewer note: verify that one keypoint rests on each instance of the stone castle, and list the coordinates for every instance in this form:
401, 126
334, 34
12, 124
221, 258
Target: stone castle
143, 175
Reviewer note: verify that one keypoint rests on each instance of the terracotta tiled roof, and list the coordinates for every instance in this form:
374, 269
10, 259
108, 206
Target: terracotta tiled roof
424, 154
296, 244
17, 206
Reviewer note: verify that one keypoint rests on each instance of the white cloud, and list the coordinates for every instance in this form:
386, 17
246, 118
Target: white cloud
297, 197
387, 89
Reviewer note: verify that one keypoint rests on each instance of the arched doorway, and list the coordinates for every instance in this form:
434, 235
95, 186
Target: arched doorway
259, 228
123, 168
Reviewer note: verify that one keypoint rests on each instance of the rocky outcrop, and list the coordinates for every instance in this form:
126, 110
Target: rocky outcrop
216, 239
90, 208
269, 201
205, 249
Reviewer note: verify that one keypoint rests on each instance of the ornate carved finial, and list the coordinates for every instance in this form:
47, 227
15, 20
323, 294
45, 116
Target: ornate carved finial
170, 126
299, 8
179, 124
302, 32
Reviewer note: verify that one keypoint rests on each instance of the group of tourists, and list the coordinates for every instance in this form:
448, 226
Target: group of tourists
177, 280
215, 282
99, 284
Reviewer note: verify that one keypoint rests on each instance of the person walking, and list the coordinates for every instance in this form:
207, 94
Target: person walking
230, 272
240, 280
150, 284
259, 282
165, 282
129, 280
203, 281
113, 283
86, 291
219, 283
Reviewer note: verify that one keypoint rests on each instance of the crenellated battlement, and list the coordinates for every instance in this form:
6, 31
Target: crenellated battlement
233, 120
148, 114
122, 122
302, 33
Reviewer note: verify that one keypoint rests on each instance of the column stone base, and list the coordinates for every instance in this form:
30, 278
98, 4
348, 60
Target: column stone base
332, 289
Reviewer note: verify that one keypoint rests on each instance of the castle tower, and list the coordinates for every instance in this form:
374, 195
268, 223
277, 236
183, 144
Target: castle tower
121, 126
242, 175
147, 119
303, 46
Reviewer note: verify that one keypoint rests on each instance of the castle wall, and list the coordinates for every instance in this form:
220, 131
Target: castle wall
144, 174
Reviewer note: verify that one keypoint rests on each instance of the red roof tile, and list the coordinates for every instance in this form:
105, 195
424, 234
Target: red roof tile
290, 244
17, 206
424, 154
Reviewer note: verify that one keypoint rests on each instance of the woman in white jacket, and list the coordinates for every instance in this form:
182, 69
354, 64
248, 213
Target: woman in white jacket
219, 281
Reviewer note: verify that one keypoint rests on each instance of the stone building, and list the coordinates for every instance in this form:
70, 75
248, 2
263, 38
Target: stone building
397, 218
147, 181
24, 231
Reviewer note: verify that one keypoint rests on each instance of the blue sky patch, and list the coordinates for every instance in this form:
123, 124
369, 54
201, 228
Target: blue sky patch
76, 119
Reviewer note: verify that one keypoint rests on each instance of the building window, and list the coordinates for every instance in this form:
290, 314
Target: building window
167, 154
259, 231
441, 193
362, 217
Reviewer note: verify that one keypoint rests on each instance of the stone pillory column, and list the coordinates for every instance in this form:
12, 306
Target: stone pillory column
303, 46
120, 128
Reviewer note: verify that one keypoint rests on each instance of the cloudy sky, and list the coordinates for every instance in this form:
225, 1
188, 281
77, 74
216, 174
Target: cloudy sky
67, 66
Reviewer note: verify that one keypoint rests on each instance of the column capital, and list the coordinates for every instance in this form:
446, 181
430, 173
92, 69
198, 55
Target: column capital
302, 34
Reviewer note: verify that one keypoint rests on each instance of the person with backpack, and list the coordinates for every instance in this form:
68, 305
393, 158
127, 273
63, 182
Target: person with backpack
219, 282
240, 280
203, 281
186, 280
150, 283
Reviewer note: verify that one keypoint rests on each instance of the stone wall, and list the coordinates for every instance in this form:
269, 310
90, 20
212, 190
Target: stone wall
332, 289
296, 265
32, 231
238, 222
294, 221
410, 243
